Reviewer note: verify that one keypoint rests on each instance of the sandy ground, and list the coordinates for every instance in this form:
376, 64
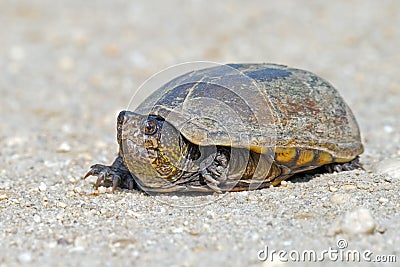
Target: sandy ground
68, 67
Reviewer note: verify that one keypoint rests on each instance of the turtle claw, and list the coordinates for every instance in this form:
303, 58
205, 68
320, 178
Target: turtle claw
105, 174
115, 182
116, 175
215, 188
91, 172
210, 181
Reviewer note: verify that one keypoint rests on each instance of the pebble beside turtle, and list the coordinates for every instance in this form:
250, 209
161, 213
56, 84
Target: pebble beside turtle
168, 144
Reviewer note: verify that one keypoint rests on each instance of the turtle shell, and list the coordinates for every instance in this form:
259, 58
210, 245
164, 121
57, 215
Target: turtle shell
257, 106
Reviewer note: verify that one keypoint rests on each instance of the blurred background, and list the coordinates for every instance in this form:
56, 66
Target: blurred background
68, 67
78, 62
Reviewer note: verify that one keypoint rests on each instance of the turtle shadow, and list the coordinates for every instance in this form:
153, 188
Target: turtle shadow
307, 176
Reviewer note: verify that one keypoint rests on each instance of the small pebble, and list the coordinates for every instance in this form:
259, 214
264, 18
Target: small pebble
284, 183
81, 242
210, 214
133, 213
243, 193
4, 184
388, 129
383, 200
25, 257
389, 167
103, 211
287, 243
177, 230
356, 222
61, 205
66, 63
45, 201
111, 50
339, 198
64, 147
60, 216
77, 190
102, 189
138, 58
42, 187
255, 237
381, 229
37, 219
349, 187
3, 197
333, 189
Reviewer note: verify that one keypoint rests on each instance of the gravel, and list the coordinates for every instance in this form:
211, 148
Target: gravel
356, 222
68, 68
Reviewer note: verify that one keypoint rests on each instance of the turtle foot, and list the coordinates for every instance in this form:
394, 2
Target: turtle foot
216, 173
348, 166
115, 175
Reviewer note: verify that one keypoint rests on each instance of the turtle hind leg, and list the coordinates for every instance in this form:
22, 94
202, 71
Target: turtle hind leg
347, 166
116, 175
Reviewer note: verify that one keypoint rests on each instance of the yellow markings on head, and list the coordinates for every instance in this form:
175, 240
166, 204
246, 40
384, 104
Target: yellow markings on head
285, 154
324, 158
150, 143
305, 157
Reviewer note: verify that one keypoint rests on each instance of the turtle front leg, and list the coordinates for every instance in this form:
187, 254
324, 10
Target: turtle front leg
216, 173
116, 175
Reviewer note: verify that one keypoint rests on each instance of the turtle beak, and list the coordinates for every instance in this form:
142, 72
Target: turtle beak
129, 126
121, 117
126, 115
120, 122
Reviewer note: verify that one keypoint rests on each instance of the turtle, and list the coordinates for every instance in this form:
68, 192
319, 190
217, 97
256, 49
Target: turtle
232, 127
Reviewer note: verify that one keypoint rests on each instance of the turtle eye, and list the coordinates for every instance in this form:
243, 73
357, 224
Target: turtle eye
150, 127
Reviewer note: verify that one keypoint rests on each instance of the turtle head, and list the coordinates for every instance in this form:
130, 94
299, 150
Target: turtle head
151, 148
